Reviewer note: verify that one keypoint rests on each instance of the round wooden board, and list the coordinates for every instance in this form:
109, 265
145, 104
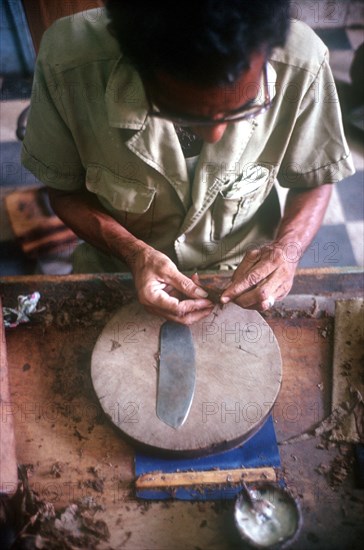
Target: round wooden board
238, 377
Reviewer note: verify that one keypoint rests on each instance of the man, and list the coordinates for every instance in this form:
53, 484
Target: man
164, 157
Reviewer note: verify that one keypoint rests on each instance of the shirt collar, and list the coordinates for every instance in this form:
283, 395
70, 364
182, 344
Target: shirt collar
272, 80
125, 99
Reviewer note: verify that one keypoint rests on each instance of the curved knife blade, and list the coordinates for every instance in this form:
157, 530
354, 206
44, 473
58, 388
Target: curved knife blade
177, 374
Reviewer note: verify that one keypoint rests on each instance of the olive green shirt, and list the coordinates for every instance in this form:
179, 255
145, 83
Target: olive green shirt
89, 126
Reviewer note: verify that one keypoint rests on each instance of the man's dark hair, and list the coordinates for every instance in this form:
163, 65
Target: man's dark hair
201, 41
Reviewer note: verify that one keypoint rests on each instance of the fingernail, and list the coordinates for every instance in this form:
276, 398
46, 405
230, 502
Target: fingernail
225, 299
201, 292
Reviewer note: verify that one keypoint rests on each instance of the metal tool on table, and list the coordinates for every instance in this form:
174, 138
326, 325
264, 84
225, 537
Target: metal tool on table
177, 374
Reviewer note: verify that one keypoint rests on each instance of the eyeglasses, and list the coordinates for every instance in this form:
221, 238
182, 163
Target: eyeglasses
242, 113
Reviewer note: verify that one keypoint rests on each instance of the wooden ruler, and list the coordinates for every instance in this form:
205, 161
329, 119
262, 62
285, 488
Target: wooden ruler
210, 477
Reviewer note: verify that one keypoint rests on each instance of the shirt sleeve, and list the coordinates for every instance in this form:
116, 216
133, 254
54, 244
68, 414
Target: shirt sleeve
49, 150
317, 152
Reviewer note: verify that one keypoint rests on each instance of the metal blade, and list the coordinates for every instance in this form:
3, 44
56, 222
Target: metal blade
177, 374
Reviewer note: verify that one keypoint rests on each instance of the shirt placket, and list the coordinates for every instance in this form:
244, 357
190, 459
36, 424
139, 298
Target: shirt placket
180, 243
227, 154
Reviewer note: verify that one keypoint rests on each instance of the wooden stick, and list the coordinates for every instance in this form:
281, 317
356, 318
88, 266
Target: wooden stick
8, 465
210, 477
61, 238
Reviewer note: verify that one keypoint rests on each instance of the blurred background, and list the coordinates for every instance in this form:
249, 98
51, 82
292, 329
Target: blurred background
33, 240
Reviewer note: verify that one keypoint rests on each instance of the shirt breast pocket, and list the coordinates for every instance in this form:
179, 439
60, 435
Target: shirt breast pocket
129, 201
238, 201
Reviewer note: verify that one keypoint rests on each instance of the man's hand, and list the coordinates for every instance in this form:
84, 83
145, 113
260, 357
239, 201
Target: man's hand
162, 289
264, 276
266, 273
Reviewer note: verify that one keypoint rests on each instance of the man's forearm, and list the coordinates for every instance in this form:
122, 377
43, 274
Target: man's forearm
160, 287
84, 214
303, 214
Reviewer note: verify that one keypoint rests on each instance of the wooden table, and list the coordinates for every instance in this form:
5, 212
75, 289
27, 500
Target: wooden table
74, 451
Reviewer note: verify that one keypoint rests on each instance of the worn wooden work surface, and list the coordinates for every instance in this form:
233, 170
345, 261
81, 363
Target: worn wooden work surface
237, 360
73, 451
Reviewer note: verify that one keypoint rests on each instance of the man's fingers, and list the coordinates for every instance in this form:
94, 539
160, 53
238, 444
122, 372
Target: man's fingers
186, 319
264, 295
241, 285
260, 298
173, 292
190, 306
249, 300
196, 279
187, 286
168, 303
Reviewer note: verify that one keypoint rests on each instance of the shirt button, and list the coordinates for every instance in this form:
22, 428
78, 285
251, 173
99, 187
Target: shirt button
182, 238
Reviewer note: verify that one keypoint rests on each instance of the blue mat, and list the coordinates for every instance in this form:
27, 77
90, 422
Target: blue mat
260, 450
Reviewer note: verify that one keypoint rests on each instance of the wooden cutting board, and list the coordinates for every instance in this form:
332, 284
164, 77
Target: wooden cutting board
238, 377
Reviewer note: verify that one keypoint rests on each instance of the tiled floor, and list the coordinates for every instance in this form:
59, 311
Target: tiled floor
340, 240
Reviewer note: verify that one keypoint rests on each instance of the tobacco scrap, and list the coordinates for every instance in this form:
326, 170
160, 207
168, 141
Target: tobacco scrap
331, 424
338, 470
56, 469
34, 524
97, 484
214, 294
